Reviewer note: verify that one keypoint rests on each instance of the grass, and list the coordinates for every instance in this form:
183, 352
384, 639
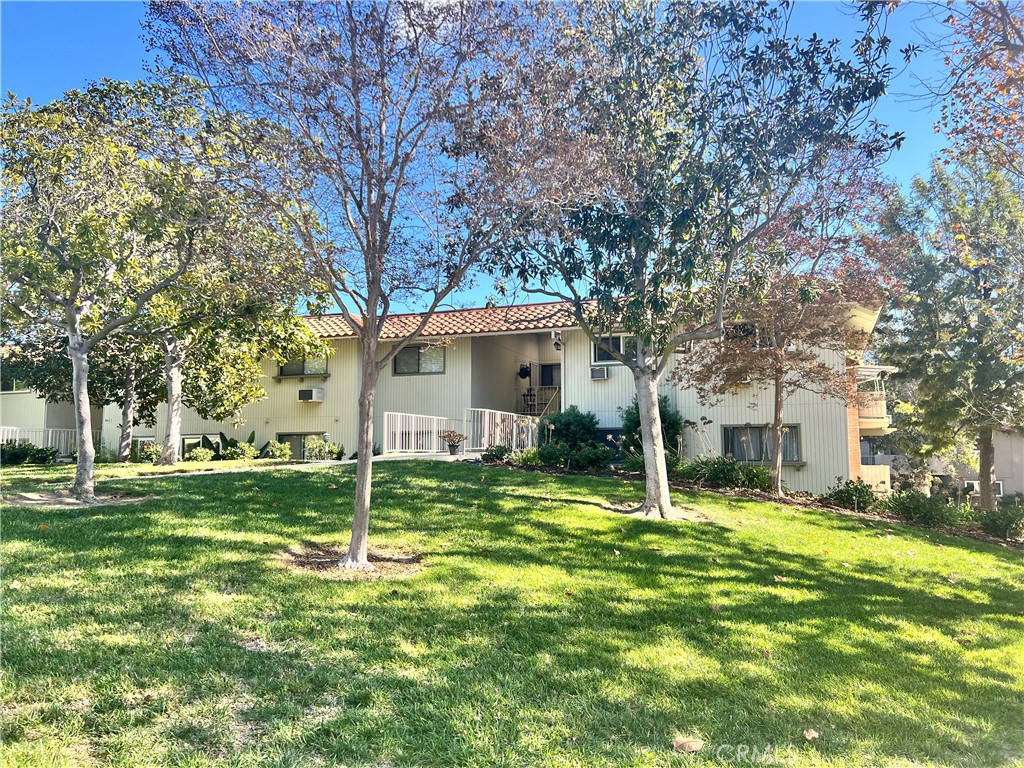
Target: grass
545, 631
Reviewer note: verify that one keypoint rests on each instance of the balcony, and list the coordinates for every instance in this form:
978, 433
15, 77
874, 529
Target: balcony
872, 413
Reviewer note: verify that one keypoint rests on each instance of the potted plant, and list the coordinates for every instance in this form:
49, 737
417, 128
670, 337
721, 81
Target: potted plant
453, 439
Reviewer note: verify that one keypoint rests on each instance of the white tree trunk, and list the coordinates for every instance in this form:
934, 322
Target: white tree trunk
173, 363
124, 447
777, 435
986, 468
84, 487
357, 549
658, 499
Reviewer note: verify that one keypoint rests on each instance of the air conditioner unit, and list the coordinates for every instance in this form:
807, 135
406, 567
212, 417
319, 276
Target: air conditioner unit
315, 395
598, 373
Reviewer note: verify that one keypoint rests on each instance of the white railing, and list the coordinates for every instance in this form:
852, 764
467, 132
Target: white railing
486, 428
64, 440
412, 433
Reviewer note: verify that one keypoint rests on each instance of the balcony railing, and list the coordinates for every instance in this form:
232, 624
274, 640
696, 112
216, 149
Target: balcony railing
64, 440
413, 433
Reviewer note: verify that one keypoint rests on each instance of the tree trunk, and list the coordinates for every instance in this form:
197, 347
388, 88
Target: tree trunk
986, 468
173, 363
84, 487
777, 435
124, 447
655, 470
357, 547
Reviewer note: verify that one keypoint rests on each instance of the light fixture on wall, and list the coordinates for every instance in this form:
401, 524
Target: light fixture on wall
524, 371
556, 338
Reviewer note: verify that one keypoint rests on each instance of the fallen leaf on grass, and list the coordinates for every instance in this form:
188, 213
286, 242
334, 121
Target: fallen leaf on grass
655, 549
15, 585
687, 744
781, 578
847, 565
570, 593
43, 527
811, 735
964, 640
716, 608
332, 485
617, 553
767, 654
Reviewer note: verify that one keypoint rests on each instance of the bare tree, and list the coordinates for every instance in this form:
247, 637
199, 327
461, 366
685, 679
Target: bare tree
363, 106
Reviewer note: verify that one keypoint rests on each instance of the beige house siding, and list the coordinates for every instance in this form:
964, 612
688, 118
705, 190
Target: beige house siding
823, 424
23, 409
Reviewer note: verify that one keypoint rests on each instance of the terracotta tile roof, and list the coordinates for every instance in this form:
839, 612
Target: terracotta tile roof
459, 322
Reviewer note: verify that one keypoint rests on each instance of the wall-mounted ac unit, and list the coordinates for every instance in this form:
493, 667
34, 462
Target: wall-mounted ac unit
315, 395
598, 373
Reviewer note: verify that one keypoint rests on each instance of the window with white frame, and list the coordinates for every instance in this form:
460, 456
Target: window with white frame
754, 444
419, 359
973, 487
624, 345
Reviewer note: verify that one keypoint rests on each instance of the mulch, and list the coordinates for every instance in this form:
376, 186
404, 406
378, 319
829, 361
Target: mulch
326, 561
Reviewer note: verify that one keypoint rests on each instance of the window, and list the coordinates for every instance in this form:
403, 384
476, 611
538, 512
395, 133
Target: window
973, 487
419, 359
755, 443
297, 441
624, 345
188, 442
305, 366
8, 383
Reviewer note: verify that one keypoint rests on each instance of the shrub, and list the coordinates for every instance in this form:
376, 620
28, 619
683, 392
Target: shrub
528, 457
495, 454
1007, 520
633, 461
927, 510
572, 428
319, 449
851, 494
355, 454
199, 454
584, 456
20, 452
241, 451
671, 427
276, 450
149, 453
755, 476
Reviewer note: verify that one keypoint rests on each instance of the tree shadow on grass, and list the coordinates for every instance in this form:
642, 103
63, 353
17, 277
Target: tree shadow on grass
537, 636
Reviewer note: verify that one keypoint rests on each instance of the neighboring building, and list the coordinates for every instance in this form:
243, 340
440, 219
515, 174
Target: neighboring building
1009, 465
26, 416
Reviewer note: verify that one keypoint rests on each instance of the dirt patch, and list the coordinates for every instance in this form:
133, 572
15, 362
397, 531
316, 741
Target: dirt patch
326, 561
64, 500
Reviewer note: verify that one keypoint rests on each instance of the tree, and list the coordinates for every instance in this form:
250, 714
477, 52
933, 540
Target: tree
98, 192
957, 332
363, 104
124, 371
793, 330
984, 106
688, 127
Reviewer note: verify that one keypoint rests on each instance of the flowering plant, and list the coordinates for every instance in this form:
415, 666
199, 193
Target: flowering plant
451, 437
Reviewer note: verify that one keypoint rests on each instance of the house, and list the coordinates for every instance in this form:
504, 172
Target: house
484, 371
1009, 465
26, 416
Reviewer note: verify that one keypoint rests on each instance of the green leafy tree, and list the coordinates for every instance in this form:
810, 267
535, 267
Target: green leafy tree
102, 213
124, 370
677, 133
957, 330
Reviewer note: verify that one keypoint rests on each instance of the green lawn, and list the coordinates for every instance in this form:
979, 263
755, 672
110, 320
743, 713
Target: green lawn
545, 631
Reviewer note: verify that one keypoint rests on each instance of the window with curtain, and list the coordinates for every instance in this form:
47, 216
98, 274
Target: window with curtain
304, 366
754, 444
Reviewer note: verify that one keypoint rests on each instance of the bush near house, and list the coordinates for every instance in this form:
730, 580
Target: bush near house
199, 454
276, 450
572, 441
851, 494
241, 451
1007, 520
723, 472
18, 452
149, 453
496, 454
671, 429
926, 510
